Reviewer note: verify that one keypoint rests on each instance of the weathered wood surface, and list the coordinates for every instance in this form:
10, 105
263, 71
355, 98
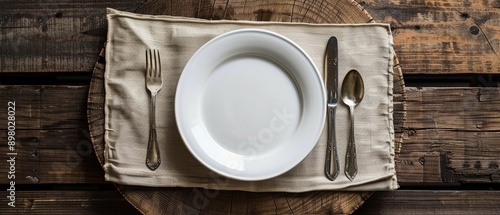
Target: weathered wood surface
437, 130
432, 202
60, 156
68, 202
52, 138
442, 37
431, 36
452, 135
41, 107
397, 202
53, 36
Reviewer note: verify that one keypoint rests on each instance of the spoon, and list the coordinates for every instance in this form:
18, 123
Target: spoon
352, 93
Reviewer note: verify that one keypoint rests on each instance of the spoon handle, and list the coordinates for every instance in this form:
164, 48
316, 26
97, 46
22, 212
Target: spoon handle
351, 166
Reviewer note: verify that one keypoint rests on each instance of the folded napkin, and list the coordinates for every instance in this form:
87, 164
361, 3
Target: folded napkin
365, 47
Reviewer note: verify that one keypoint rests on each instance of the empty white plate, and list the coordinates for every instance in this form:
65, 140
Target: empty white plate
250, 104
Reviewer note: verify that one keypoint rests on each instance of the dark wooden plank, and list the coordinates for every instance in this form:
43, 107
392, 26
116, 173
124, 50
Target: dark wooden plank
52, 157
53, 36
446, 37
45, 107
396, 202
452, 136
52, 140
432, 202
452, 133
68, 202
442, 37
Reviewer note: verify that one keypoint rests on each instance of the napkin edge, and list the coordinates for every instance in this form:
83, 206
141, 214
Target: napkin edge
112, 13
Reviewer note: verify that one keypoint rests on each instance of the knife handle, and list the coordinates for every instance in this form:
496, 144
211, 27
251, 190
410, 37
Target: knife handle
332, 167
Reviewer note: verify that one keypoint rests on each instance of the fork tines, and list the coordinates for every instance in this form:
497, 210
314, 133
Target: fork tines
153, 64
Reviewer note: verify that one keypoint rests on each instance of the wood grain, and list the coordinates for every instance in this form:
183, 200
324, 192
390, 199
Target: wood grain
442, 37
431, 36
452, 136
432, 202
45, 107
396, 202
52, 139
57, 156
68, 202
53, 36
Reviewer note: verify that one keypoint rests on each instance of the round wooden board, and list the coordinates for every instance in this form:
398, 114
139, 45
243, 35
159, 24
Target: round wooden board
150, 200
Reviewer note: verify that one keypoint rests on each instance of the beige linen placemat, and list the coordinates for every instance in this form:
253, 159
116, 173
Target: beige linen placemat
364, 47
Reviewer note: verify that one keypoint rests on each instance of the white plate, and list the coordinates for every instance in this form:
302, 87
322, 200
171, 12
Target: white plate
250, 104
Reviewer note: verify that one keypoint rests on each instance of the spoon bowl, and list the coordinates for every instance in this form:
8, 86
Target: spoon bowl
353, 91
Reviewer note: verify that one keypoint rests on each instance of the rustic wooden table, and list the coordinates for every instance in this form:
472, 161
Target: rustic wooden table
448, 51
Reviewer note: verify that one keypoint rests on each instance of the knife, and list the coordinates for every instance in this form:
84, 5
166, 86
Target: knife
332, 167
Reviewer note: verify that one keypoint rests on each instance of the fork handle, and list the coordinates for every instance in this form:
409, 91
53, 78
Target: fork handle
153, 151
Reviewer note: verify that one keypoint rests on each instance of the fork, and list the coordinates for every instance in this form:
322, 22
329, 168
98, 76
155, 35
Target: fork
153, 84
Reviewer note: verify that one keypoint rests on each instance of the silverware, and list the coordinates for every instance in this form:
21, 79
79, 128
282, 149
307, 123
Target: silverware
153, 84
353, 91
332, 167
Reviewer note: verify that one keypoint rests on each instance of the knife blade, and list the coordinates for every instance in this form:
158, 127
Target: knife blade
332, 167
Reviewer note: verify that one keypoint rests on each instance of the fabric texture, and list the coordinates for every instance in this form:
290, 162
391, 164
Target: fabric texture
367, 48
